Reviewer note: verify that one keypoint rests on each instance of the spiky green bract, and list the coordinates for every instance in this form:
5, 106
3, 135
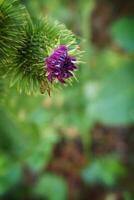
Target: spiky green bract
12, 18
27, 70
27, 67
58, 34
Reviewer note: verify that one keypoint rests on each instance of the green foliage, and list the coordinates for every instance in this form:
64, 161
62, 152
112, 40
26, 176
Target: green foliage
52, 187
123, 33
8, 142
128, 196
10, 173
42, 152
117, 109
104, 171
13, 142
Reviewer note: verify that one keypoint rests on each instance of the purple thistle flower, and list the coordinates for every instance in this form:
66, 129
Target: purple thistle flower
60, 65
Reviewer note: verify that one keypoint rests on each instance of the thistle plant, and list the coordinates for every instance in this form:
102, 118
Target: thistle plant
35, 55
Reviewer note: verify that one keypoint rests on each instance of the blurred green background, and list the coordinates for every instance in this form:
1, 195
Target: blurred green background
77, 144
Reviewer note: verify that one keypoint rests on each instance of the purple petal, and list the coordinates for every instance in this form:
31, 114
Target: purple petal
60, 64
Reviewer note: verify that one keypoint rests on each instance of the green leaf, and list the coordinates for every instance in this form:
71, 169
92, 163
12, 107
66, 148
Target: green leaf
114, 102
123, 33
104, 171
51, 186
42, 152
10, 173
12, 139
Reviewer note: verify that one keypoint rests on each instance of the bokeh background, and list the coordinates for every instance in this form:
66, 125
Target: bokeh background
77, 144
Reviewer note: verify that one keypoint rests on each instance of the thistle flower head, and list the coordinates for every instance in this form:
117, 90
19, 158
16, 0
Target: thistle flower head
60, 64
